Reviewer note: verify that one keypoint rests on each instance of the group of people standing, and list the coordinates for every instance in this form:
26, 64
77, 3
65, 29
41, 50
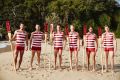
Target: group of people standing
90, 41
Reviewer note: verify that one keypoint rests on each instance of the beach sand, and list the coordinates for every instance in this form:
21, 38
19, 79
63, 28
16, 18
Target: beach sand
7, 73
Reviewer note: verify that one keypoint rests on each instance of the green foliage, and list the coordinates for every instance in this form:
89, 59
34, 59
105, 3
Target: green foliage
104, 19
91, 12
118, 31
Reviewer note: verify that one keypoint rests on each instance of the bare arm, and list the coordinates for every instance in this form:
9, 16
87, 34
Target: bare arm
31, 39
96, 42
115, 42
102, 40
64, 41
78, 41
84, 40
26, 39
51, 37
44, 37
14, 36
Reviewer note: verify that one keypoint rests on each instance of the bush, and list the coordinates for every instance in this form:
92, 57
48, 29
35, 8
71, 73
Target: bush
78, 26
118, 31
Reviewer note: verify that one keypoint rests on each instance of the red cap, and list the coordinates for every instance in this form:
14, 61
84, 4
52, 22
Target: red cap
8, 26
99, 31
45, 27
84, 29
66, 30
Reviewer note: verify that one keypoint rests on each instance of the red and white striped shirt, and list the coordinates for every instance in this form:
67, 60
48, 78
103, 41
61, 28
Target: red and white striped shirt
20, 38
90, 40
58, 40
73, 39
108, 40
36, 39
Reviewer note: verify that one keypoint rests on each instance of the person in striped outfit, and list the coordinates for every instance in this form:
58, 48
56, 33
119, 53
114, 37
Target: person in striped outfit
21, 37
58, 39
35, 44
110, 46
91, 49
74, 44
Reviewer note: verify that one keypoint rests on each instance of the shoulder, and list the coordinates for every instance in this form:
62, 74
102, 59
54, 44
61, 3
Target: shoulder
103, 33
112, 33
94, 34
87, 33
32, 33
25, 32
16, 31
69, 32
76, 33
54, 32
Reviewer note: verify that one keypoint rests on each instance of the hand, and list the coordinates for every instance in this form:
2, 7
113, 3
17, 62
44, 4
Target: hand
30, 48
10, 40
68, 48
64, 46
78, 49
96, 49
26, 48
115, 49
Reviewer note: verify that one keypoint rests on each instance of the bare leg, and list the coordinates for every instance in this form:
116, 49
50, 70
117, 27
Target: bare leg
38, 57
106, 58
60, 57
94, 61
32, 58
71, 60
112, 60
76, 59
21, 58
55, 56
88, 59
15, 58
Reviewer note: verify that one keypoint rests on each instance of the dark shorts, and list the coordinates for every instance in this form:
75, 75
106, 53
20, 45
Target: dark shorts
19, 48
58, 48
36, 48
73, 49
89, 50
108, 49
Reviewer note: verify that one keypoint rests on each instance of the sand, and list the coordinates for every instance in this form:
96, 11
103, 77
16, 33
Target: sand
7, 73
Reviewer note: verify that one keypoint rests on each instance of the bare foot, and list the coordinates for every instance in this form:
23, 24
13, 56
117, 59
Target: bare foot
19, 69
83, 69
30, 68
93, 70
112, 70
38, 67
55, 68
76, 68
106, 70
88, 69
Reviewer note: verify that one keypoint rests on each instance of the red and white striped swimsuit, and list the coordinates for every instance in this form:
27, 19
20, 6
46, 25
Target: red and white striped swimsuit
73, 39
108, 40
90, 40
58, 40
37, 39
20, 38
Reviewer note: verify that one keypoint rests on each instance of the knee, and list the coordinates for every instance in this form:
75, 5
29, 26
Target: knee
16, 56
21, 57
38, 57
60, 55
